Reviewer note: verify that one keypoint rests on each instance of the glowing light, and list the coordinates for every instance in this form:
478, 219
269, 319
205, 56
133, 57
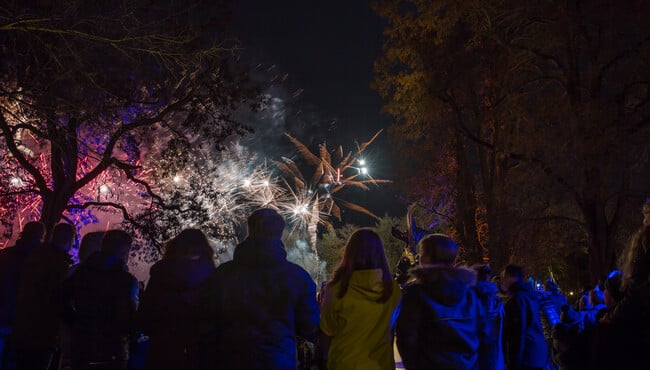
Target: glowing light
265, 182
301, 209
364, 170
362, 162
247, 182
571, 293
177, 179
104, 189
15, 181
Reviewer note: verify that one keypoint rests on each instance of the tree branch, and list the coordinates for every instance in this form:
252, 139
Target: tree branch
33, 171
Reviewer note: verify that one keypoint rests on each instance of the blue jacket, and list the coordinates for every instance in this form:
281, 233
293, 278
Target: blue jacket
254, 306
440, 325
524, 342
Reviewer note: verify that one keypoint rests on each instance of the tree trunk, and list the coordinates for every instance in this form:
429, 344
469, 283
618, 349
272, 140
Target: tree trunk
466, 205
602, 257
54, 205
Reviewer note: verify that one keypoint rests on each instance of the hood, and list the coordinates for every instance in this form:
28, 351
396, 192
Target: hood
445, 284
104, 262
182, 273
260, 252
367, 283
486, 289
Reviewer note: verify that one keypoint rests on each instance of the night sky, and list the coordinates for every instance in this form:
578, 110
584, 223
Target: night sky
326, 52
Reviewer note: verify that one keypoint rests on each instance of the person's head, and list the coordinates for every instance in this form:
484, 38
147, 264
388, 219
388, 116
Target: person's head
117, 243
640, 246
437, 249
483, 272
511, 275
363, 251
265, 223
33, 231
646, 213
90, 243
63, 235
596, 297
550, 286
613, 293
189, 243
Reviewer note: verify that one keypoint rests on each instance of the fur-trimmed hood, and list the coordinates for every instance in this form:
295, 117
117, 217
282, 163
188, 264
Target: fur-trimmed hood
446, 284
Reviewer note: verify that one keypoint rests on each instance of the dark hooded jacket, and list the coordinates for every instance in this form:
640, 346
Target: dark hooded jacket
12, 261
168, 312
255, 305
524, 342
440, 325
491, 351
99, 301
36, 324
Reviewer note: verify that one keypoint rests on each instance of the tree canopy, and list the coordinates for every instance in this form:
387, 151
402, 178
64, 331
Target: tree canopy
89, 90
534, 118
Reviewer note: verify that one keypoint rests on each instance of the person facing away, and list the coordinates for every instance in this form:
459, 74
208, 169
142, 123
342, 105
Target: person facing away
12, 260
629, 319
441, 319
36, 324
359, 307
256, 304
99, 301
169, 305
524, 344
491, 353
90, 243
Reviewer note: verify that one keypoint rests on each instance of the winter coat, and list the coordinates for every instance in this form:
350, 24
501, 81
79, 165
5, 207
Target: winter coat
12, 261
524, 342
36, 324
168, 312
440, 324
590, 315
99, 301
491, 352
616, 345
254, 306
362, 328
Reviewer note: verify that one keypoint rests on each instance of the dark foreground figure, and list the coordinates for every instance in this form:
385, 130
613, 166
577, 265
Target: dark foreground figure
169, 308
12, 261
256, 304
99, 302
36, 325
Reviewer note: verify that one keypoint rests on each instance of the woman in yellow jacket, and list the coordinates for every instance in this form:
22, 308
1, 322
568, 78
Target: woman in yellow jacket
360, 306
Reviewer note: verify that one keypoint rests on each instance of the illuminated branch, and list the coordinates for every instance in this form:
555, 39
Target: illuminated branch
11, 145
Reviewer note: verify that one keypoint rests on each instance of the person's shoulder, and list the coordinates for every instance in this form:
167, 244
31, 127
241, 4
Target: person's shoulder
298, 270
225, 267
412, 289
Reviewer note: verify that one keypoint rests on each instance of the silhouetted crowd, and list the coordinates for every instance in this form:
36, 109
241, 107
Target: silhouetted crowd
260, 311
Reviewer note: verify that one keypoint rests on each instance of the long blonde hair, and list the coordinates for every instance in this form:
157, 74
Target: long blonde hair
633, 258
363, 251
